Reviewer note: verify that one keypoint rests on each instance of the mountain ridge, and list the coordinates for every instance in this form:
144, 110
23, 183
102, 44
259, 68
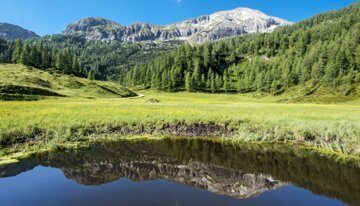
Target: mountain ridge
12, 32
211, 27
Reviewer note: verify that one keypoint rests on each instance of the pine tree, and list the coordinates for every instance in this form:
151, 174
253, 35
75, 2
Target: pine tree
46, 58
207, 55
91, 75
317, 71
208, 83
330, 73
212, 83
158, 81
153, 81
147, 79
67, 61
60, 61
240, 85
25, 57
166, 84
35, 57
226, 86
54, 55
203, 81
5, 54
189, 82
197, 73
75, 65
218, 82
357, 57
16, 56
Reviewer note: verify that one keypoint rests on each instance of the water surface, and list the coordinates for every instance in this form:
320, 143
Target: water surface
179, 172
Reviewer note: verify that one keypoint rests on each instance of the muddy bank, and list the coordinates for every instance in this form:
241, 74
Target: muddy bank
183, 129
233, 132
177, 129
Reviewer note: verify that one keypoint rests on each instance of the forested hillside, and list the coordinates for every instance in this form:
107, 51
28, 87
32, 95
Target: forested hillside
321, 51
73, 55
106, 60
40, 56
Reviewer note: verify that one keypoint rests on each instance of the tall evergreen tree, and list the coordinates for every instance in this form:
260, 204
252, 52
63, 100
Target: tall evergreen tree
189, 82
25, 57
16, 56
91, 75
226, 86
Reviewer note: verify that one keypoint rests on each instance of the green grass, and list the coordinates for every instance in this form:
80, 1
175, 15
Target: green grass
73, 110
332, 128
19, 82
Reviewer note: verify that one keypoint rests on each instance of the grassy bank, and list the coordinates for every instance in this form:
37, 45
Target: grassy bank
19, 82
334, 128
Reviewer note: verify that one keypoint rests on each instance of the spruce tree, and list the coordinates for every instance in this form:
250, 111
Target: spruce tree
25, 57
75, 65
212, 83
16, 55
189, 82
357, 57
218, 82
46, 58
91, 75
203, 81
197, 73
60, 61
226, 86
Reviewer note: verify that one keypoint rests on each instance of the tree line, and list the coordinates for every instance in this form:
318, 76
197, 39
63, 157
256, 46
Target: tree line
324, 50
74, 55
105, 60
40, 56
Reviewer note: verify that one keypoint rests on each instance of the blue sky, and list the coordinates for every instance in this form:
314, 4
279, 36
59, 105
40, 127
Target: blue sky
52, 16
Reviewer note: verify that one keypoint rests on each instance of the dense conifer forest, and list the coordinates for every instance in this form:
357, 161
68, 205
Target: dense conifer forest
73, 55
40, 56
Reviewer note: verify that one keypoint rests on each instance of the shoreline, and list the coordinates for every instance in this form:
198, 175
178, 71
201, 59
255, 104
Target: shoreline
26, 151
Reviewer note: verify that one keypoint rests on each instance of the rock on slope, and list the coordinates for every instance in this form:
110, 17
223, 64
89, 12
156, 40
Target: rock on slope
205, 28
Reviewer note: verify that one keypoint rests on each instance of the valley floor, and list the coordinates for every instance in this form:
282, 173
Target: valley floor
236, 118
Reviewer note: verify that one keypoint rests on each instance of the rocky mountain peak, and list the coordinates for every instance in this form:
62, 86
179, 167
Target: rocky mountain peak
90, 24
245, 13
216, 26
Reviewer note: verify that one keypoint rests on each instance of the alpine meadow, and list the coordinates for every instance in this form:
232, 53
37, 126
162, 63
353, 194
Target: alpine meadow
232, 108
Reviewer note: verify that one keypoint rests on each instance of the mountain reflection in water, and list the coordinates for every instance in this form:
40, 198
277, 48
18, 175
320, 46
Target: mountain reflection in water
237, 171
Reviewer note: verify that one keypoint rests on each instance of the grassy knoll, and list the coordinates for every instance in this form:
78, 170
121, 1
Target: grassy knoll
52, 122
19, 82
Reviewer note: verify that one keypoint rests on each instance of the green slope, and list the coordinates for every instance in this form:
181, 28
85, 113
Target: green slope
19, 82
